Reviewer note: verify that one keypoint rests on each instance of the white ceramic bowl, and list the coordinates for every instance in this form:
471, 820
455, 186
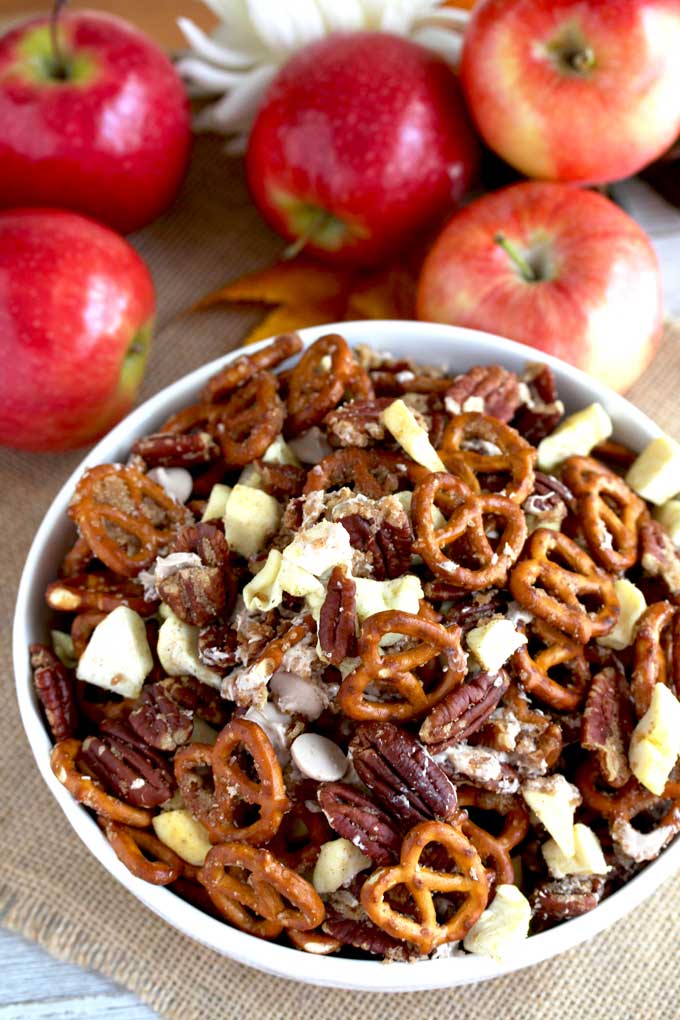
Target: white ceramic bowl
458, 349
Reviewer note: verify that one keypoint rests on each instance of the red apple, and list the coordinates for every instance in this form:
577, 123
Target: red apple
361, 141
574, 90
561, 269
76, 311
106, 132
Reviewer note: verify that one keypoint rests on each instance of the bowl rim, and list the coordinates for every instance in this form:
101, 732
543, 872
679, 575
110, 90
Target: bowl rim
272, 958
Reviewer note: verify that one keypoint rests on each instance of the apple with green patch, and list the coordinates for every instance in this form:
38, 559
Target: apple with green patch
93, 117
574, 90
76, 313
361, 142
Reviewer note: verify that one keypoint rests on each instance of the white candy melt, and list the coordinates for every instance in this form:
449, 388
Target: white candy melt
319, 758
117, 656
296, 695
176, 481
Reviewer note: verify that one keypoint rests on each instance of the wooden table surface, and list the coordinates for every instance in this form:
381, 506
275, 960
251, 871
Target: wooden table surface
34, 986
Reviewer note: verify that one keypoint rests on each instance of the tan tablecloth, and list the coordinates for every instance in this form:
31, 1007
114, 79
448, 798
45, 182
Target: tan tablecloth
53, 891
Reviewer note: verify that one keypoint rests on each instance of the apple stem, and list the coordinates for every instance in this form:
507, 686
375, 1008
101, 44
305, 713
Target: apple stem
59, 67
524, 267
582, 59
316, 223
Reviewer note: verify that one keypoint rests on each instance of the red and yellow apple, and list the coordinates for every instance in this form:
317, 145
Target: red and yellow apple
361, 141
553, 266
574, 90
76, 312
101, 125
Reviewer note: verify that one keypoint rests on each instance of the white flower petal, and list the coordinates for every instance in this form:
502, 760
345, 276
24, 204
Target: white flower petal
288, 26
448, 44
204, 79
455, 17
235, 111
204, 46
346, 16
397, 15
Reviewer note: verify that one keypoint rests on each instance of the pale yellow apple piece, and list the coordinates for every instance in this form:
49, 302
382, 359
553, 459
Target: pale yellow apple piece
403, 593
62, 645
553, 800
117, 656
575, 436
655, 474
632, 605
217, 502
251, 477
669, 516
279, 452
320, 548
337, 864
178, 651
250, 518
503, 926
203, 733
587, 858
494, 642
183, 834
655, 743
400, 420
406, 498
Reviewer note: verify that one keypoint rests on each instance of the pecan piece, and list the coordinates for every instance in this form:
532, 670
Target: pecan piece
203, 701
55, 687
539, 415
126, 766
361, 933
195, 594
168, 449
207, 541
463, 711
658, 555
567, 897
282, 481
352, 815
159, 720
468, 609
402, 775
387, 546
494, 390
357, 424
217, 644
338, 618
606, 726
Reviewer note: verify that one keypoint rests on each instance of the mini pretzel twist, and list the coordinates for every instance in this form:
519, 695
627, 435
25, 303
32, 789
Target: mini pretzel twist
242, 369
466, 528
515, 456
495, 850
394, 673
316, 386
87, 791
656, 655
533, 669
268, 890
374, 473
142, 853
101, 592
128, 534
556, 593
423, 882
219, 809
624, 802
609, 512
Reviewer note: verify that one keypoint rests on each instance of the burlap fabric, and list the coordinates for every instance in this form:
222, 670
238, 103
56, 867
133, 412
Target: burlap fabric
53, 891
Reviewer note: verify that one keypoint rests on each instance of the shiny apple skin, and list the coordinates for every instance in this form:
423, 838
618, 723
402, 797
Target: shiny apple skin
602, 308
370, 127
597, 126
73, 296
113, 144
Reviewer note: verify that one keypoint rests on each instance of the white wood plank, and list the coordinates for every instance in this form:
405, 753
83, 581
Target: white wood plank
91, 1007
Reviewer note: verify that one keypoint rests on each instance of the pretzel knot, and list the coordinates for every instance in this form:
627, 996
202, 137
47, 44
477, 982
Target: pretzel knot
465, 533
239, 371
98, 592
476, 445
469, 881
319, 380
88, 792
656, 657
400, 679
494, 850
125, 517
258, 893
225, 809
142, 853
375, 473
532, 668
563, 595
609, 512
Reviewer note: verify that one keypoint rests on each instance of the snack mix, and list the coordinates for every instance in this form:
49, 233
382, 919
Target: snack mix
372, 659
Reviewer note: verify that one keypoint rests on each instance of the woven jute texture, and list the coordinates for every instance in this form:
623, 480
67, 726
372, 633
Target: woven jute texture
52, 890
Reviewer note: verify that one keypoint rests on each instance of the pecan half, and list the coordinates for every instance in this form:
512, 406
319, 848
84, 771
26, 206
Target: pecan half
55, 687
159, 720
387, 545
406, 781
357, 424
606, 726
567, 897
207, 541
464, 710
168, 449
658, 555
338, 618
127, 767
538, 417
352, 815
468, 609
494, 390
361, 933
